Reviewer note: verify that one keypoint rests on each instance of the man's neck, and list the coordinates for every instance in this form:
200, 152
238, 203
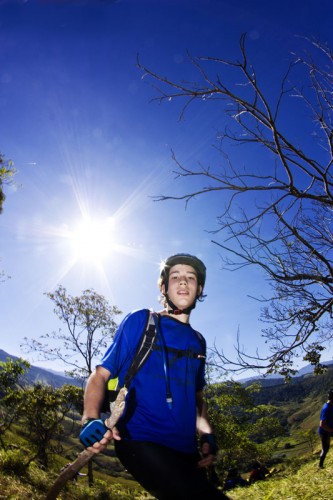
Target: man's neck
183, 318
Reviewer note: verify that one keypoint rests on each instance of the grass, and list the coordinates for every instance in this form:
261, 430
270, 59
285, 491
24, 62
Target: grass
19, 480
296, 481
299, 479
35, 483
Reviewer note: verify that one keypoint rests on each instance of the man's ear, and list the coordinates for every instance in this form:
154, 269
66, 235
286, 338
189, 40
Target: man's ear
163, 289
199, 290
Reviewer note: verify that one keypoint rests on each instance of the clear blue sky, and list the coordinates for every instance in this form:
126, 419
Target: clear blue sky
77, 121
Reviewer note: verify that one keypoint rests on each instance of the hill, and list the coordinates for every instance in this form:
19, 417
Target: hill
41, 375
297, 406
274, 388
272, 380
305, 386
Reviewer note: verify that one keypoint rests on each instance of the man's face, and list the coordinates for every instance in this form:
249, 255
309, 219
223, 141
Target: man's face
183, 286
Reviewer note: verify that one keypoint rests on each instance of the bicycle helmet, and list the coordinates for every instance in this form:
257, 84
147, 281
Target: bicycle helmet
190, 260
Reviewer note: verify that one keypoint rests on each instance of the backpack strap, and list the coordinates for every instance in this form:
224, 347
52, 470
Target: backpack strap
146, 345
179, 353
144, 349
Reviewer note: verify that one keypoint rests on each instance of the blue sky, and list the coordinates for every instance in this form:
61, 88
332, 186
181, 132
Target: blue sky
78, 122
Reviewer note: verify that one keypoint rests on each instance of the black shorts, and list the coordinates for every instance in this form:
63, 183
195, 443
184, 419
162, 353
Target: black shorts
166, 473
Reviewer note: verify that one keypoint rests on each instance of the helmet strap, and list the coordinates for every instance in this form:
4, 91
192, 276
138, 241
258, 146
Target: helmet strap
174, 309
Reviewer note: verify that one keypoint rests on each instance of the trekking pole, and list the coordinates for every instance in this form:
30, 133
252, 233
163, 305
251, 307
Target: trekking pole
72, 470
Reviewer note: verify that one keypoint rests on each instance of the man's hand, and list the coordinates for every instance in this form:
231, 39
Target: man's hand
99, 446
209, 450
95, 436
103, 443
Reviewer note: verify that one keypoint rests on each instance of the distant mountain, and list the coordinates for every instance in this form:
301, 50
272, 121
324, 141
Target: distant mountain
306, 370
273, 380
58, 379
298, 393
41, 375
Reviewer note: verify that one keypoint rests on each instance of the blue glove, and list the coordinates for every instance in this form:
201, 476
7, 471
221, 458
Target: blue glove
93, 431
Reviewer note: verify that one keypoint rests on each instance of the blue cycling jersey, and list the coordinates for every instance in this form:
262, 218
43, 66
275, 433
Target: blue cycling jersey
327, 415
147, 415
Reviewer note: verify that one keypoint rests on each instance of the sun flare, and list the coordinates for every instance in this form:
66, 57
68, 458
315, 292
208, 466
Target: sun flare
92, 240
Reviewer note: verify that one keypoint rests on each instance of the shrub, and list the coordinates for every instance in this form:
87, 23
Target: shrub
11, 462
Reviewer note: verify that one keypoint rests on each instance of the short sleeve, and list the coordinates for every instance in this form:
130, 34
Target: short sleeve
119, 355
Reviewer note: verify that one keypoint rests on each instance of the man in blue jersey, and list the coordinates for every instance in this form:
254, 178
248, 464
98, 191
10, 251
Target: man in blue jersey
326, 427
156, 438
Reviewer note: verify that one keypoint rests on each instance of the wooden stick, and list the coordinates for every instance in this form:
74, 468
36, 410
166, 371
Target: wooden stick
72, 470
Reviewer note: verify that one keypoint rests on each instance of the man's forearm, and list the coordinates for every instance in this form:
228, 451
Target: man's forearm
93, 396
203, 425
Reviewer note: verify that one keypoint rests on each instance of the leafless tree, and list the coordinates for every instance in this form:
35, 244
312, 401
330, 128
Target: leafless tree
275, 214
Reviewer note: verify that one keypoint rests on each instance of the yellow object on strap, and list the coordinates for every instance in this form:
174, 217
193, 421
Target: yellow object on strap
112, 384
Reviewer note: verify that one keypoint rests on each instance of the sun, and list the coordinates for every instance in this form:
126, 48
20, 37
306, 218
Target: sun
92, 240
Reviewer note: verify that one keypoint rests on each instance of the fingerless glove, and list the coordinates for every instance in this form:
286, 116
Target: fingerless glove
211, 440
92, 431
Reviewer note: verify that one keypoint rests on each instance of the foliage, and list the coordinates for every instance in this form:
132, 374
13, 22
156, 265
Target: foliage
293, 475
90, 323
11, 374
7, 171
11, 383
11, 463
298, 479
42, 411
239, 425
276, 211
310, 437
35, 482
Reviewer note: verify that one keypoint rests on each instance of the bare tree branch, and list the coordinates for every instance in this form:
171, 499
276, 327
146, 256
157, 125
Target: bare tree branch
276, 215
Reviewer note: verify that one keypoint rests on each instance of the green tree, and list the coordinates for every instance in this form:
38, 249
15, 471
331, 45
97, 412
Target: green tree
43, 410
12, 380
240, 427
12, 374
7, 171
310, 437
39, 410
275, 212
90, 326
